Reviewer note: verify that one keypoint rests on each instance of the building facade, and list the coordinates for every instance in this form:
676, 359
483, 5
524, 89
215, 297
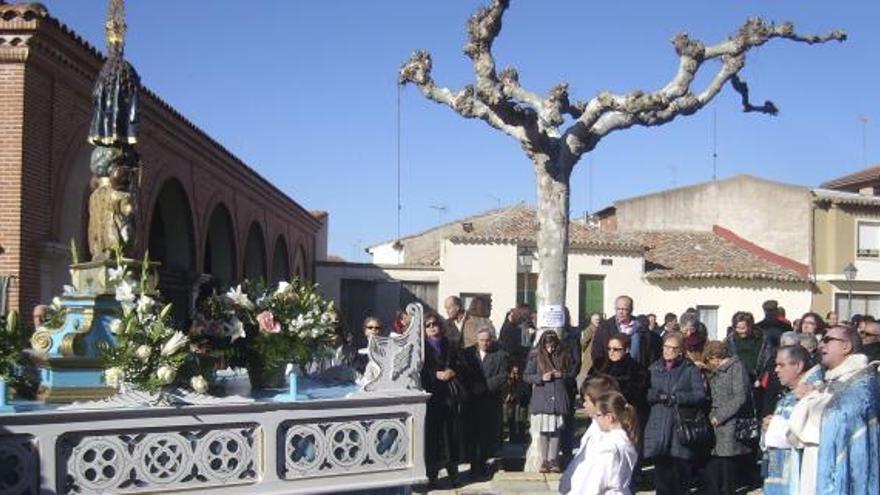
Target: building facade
847, 227
492, 256
201, 209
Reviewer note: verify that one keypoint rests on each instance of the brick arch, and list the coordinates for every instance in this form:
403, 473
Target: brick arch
69, 182
213, 259
300, 267
255, 263
281, 267
171, 240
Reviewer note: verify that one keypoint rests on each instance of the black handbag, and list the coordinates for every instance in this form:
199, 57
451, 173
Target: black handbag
693, 432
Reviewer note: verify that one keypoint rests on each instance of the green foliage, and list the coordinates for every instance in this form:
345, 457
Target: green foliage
12, 341
149, 353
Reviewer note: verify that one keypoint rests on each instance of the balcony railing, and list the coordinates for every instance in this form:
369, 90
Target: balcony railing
364, 442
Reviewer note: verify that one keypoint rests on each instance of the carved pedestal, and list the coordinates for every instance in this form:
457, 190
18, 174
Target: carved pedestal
70, 356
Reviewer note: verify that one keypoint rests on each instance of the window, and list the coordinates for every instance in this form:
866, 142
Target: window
468, 297
526, 288
709, 316
862, 304
868, 240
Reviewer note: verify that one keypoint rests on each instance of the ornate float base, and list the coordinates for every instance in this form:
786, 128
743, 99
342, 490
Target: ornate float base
70, 356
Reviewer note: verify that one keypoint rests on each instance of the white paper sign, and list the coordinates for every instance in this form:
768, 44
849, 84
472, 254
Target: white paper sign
551, 316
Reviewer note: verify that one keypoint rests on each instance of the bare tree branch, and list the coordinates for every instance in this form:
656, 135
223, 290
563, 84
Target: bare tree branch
608, 112
742, 88
536, 121
464, 102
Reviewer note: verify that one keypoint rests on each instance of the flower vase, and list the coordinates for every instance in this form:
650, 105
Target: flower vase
263, 376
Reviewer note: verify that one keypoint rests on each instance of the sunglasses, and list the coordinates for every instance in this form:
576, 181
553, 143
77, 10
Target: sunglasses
432, 324
826, 339
615, 349
374, 327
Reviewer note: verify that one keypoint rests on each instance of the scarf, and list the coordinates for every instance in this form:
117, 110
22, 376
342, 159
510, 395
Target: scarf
436, 343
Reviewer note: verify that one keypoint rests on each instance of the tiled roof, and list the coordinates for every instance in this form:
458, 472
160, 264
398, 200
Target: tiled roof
706, 255
668, 254
868, 174
845, 198
515, 224
519, 225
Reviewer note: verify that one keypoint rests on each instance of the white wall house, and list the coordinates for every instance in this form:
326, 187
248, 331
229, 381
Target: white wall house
492, 255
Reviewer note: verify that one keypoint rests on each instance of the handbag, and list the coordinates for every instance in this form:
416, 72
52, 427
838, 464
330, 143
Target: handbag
457, 391
693, 432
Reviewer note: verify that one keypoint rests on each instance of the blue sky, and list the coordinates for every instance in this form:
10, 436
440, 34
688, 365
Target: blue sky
305, 92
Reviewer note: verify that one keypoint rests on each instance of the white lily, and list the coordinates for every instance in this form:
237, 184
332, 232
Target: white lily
173, 344
143, 352
234, 329
145, 304
116, 274
283, 287
112, 376
166, 374
239, 298
124, 292
115, 326
199, 384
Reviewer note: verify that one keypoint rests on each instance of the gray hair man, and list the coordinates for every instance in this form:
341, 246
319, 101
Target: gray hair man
844, 410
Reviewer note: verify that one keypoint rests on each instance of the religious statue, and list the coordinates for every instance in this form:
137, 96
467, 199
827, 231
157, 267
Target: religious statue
114, 162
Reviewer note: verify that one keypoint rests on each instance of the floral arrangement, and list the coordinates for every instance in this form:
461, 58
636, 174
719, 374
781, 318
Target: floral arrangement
265, 328
149, 353
12, 341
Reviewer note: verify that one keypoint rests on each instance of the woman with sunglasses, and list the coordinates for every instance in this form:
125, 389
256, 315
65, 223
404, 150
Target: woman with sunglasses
631, 376
548, 369
440, 378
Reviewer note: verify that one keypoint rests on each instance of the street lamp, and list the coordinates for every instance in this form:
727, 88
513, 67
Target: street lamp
524, 260
850, 271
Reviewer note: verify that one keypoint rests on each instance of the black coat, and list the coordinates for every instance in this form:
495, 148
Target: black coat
682, 386
551, 397
482, 413
510, 339
443, 431
630, 375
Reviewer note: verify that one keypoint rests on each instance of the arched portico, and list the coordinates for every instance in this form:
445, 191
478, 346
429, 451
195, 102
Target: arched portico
220, 259
255, 254
280, 261
171, 242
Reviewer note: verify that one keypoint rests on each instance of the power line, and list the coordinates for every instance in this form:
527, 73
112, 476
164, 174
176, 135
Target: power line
399, 206
714, 144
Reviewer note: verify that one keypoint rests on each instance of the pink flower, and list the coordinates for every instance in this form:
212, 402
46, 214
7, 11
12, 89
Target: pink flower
267, 322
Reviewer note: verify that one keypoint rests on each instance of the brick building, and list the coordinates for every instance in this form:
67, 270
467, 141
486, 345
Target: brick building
201, 209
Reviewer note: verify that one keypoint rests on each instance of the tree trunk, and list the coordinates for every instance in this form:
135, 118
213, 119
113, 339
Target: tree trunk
553, 203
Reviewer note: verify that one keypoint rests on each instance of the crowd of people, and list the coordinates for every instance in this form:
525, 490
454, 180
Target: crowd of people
792, 406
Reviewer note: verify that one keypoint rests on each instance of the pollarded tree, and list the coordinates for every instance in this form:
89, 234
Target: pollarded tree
555, 132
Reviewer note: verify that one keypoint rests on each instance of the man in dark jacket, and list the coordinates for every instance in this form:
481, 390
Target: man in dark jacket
772, 327
870, 335
623, 322
486, 366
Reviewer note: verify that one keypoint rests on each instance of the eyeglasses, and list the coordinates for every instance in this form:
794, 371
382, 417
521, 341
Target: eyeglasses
826, 339
672, 347
615, 349
432, 324
374, 327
